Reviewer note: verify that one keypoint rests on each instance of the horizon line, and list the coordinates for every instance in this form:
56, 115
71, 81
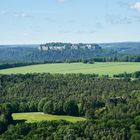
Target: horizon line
12, 44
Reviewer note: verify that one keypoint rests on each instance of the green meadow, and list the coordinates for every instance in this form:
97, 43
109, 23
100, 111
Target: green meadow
101, 68
38, 116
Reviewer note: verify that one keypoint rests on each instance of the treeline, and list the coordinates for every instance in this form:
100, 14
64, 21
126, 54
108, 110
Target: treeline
12, 65
128, 75
91, 60
113, 59
58, 108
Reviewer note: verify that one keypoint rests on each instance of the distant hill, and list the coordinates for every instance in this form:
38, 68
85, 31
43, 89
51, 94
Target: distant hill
127, 48
52, 52
121, 45
20, 46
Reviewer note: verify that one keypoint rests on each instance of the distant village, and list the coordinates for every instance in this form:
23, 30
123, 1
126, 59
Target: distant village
63, 46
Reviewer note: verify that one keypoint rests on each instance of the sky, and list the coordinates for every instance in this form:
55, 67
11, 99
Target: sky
85, 21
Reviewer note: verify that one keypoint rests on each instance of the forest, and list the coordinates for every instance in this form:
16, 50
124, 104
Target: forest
111, 106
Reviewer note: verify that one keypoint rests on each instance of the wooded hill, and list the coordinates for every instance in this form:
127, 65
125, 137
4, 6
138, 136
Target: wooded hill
102, 52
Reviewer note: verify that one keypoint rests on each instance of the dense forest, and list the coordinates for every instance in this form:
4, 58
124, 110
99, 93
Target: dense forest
111, 106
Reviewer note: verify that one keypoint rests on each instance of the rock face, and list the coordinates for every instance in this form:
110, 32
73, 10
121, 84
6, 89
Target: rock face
46, 47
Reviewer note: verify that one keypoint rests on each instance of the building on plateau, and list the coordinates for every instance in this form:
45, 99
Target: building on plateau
46, 47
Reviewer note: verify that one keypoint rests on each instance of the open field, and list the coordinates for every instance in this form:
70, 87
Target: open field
109, 68
38, 116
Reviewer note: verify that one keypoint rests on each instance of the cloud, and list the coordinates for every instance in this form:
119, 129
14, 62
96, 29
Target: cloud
48, 19
36, 29
135, 6
89, 32
124, 3
136, 18
117, 19
25, 34
65, 32
16, 14
86, 31
70, 21
3, 12
21, 14
61, 1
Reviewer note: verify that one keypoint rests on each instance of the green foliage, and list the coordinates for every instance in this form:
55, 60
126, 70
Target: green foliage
61, 130
48, 107
137, 122
5, 116
90, 114
135, 135
136, 74
112, 106
41, 104
71, 108
58, 108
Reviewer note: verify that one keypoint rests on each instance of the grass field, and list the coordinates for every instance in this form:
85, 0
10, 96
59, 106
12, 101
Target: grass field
38, 116
109, 68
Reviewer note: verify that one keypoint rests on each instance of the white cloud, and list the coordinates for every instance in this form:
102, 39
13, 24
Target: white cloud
117, 19
25, 34
135, 6
86, 31
62, 1
3, 12
22, 14
16, 14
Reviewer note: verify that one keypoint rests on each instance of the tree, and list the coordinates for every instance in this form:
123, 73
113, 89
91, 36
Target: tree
23, 107
32, 107
41, 104
135, 136
137, 122
48, 107
136, 74
7, 111
58, 108
90, 114
2, 127
71, 108
5, 117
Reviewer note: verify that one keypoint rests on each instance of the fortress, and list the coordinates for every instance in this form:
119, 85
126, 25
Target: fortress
63, 46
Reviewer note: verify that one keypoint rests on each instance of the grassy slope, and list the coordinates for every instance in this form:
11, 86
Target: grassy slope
38, 116
109, 68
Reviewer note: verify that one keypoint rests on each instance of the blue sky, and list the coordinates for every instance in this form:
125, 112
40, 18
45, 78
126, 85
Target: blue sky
40, 21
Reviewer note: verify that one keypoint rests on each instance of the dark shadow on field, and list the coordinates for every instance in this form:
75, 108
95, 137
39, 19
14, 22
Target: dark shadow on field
19, 121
